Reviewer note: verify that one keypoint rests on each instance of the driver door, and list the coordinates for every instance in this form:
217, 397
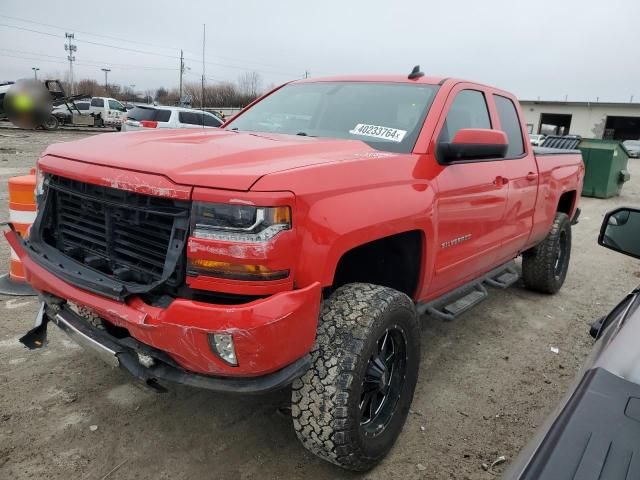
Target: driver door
471, 200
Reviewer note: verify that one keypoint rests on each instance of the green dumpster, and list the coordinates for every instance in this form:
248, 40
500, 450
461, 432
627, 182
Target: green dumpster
605, 164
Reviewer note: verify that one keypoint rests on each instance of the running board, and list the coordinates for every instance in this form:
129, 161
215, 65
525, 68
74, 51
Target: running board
453, 304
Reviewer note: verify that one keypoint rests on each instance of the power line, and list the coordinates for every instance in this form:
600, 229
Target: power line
98, 63
62, 62
87, 33
287, 74
89, 41
127, 40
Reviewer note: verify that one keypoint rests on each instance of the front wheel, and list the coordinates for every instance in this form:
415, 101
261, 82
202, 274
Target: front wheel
352, 403
545, 266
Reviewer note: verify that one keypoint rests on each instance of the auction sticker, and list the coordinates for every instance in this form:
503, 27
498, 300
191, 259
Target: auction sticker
376, 131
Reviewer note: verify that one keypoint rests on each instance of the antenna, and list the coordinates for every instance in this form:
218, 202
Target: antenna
415, 73
204, 36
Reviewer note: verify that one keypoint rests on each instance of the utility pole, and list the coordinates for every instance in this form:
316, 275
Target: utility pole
106, 84
181, 71
71, 48
35, 74
204, 36
133, 93
306, 74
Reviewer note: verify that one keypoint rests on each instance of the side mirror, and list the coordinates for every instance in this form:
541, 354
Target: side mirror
473, 144
620, 231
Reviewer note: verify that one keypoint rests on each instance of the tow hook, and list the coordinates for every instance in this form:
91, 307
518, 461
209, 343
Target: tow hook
37, 336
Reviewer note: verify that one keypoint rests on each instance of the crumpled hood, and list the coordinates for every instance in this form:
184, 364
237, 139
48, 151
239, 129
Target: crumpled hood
212, 158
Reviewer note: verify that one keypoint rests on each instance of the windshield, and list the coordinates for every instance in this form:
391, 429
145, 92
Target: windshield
386, 116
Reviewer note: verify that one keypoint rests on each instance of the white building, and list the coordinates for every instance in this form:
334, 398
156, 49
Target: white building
620, 121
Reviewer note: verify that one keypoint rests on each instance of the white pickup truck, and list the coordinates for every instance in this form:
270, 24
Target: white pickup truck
98, 111
111, 110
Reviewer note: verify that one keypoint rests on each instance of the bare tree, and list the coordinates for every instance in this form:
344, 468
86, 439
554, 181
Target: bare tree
250, 84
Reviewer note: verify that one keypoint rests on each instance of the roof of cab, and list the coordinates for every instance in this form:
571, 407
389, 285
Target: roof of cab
376, 78
425, 80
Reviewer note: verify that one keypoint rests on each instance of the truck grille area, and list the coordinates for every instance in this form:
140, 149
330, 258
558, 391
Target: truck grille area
133, 239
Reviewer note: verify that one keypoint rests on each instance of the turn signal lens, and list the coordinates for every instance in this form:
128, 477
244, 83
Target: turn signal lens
280, 215
235, 271
222, 345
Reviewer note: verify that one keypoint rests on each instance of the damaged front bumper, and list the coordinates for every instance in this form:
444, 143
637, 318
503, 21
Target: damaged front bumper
154, 367
272, 336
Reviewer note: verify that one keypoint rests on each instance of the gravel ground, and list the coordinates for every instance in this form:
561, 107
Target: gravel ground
487, 382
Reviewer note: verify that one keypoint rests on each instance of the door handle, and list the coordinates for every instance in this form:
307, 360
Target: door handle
500, 181
531, 176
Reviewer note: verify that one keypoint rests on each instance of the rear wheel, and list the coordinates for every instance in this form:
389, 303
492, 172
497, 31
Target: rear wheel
350, 406
545, 266
51, 123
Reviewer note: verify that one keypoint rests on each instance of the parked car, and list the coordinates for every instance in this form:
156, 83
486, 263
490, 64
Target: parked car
595, 431
299, 244
536, 140
632, 147
142, 117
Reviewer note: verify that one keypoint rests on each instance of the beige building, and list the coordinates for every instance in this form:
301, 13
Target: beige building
620, 121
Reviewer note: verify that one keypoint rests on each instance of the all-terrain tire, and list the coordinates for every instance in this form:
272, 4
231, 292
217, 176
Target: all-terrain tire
544, 267
327, 400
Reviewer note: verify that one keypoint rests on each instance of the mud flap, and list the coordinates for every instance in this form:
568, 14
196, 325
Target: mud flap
37, 336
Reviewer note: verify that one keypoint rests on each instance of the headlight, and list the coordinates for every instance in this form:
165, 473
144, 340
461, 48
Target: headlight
238, 223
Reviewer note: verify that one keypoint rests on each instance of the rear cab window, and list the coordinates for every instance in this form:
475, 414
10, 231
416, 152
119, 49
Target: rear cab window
97, 102
510, 125
468, 110
146, 113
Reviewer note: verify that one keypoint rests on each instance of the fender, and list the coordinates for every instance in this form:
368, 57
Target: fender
335, 214
556, 178
365, 216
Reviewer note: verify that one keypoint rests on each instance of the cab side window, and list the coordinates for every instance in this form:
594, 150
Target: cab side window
510, 125
113, 105
97, 102
468, 110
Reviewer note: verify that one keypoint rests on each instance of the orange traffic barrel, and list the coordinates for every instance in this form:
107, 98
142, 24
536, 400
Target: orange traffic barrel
22, 214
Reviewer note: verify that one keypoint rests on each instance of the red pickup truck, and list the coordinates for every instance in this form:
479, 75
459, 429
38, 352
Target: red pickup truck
299, 244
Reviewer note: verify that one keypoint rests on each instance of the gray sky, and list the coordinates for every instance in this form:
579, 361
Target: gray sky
548, 49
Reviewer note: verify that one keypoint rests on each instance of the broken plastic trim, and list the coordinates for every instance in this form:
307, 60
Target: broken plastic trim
165, 369
78, 274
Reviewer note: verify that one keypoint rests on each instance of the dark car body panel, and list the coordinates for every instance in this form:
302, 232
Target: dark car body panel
595, 432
